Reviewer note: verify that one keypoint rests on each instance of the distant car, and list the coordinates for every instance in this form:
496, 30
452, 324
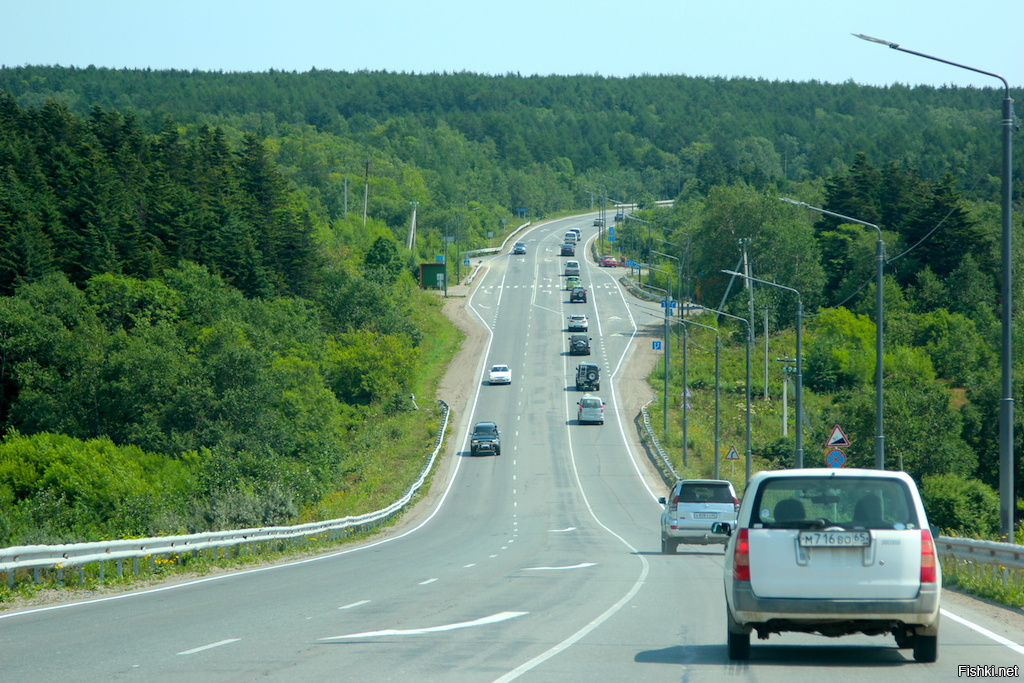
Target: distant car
591, 410
579, 345
578, 295
568, 249
835, 552
500, 374
598, 222
485, 439
571, 282
620, 216
588, 377
519, 248
692, 507
609, 262
572, 268
578, 323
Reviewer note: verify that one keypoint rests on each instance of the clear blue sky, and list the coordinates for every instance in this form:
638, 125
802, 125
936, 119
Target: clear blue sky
786, 40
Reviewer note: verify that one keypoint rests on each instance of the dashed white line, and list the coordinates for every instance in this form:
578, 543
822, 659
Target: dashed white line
354, 604
424, 583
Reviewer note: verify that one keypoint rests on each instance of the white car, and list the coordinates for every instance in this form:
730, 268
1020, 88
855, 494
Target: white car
572, 268
835, 552
500, 374
578, 323
591, 410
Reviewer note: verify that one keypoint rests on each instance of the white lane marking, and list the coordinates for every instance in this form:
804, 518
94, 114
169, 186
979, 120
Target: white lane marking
984, 631
467, 566
582, 565
354, 604
561, 531
484, 621
210, 646
424, 583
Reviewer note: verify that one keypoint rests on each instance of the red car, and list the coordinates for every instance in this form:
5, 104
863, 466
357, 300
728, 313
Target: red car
609, 262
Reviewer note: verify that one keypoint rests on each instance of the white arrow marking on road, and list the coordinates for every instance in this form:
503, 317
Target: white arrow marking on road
210, 646
575, 566
493, 619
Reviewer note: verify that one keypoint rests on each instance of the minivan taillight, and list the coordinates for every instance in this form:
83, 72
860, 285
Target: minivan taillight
741, 558
736, 504
928, 566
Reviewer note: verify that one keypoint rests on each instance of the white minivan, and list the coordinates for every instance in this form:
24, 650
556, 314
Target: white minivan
835, 552
571, 237
572, 268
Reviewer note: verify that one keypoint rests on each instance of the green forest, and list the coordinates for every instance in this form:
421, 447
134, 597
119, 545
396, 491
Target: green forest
203, 324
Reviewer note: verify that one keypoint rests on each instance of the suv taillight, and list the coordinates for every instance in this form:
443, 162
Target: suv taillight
736, 504
927, 557
741, 557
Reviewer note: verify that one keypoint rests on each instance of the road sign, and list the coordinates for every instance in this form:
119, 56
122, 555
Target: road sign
835, 458
656, 345
732, 454
439, 258
837, 438
611, 233
669, 304
465, 262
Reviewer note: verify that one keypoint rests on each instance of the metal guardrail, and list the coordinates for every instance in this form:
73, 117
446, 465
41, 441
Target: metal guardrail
77, 555
666, 464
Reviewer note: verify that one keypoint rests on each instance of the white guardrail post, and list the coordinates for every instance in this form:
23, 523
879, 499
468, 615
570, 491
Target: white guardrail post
78, 555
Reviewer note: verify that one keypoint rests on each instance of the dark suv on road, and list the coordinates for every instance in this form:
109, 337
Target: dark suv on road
486, 439
588, 377
579, 345
578, 295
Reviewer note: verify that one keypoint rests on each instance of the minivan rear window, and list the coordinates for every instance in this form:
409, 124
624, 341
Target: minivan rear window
850, 502
590, 403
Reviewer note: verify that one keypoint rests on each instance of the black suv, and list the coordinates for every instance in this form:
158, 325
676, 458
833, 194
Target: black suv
486, 439
579, 345
578, 295
588, 376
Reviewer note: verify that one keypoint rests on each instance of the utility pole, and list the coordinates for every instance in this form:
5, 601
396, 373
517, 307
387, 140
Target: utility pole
366, 191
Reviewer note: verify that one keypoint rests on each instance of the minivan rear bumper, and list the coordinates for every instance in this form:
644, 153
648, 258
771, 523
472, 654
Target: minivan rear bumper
747, 608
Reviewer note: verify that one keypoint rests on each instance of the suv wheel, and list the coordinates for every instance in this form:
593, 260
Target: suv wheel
597, 387
738, 640
926, 648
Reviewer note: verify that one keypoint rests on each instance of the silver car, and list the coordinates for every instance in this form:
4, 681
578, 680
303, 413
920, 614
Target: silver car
591, 410
835, 552
690, 510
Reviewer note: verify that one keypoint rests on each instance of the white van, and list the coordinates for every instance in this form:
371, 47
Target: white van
572, 268
835, 552
571, 237
591, 410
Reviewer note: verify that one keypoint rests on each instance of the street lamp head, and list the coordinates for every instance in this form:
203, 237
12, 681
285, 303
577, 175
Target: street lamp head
793, 202
876, 40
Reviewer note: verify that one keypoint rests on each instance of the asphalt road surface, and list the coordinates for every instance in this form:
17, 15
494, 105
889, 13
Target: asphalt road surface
540, 564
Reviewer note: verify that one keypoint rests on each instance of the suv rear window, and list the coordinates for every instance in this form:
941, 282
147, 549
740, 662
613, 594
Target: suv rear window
705, 493
850, 502
591, 403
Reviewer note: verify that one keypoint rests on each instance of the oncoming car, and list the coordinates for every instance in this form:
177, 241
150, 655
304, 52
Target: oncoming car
486, 439
519, 248
500, 374
835, 552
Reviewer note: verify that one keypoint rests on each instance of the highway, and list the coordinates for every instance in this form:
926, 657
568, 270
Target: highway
540, 564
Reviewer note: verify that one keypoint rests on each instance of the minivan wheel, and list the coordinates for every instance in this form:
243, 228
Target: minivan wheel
739, 645
926, 648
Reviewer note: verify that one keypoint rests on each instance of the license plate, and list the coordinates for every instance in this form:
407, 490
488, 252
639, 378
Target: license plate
705, 515
835, 539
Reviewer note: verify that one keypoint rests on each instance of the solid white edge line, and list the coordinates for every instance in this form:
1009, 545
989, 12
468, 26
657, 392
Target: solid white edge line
984, 631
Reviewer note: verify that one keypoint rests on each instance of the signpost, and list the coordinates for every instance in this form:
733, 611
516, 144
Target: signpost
835, 457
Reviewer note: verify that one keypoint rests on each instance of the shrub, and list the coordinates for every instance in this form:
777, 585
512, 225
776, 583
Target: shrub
961, 505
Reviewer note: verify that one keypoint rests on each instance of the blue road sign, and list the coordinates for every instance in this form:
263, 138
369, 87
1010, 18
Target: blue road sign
611, 233
835, 458
656, 345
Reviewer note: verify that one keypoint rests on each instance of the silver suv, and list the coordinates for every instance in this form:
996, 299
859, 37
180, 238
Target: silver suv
835, 552
690, 510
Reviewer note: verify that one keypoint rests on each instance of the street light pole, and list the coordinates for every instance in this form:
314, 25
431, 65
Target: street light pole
1006, 493
879, 305
749, 451
718, 346
798, 460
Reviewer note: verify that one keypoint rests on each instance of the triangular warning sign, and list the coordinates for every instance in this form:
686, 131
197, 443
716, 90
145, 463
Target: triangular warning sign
837, 438
732, 455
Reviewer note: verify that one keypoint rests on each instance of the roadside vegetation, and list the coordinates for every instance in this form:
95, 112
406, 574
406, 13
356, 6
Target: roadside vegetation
202, 326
